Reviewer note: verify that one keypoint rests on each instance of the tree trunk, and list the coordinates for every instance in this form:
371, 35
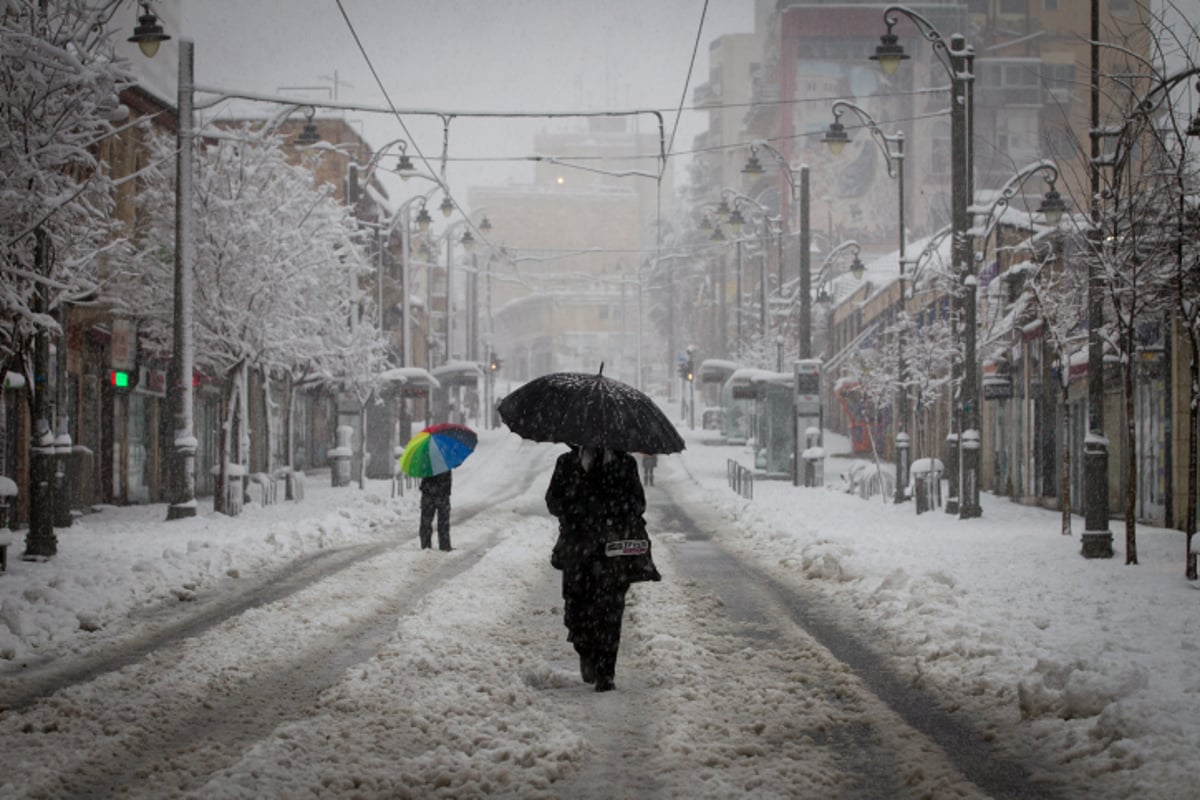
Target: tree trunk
62, 439
1064, 490
228, 399
1131, 490
41, 542
243, 422
289, 394
266, 419
362, 461
1189, 514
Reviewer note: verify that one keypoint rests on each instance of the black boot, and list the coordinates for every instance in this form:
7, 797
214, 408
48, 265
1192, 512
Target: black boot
587, 670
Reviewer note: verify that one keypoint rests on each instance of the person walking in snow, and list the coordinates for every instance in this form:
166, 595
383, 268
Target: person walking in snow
602, 548
435, 500
649, 462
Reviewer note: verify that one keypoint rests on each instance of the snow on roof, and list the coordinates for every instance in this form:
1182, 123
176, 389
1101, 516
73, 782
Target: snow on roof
418, 376
744, 375
458, 368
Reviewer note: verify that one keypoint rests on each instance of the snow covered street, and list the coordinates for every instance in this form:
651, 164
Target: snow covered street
312, 649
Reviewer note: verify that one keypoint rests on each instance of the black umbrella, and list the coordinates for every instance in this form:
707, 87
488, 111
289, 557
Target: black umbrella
582, 409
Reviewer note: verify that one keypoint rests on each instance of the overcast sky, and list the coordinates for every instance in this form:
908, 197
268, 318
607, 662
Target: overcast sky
471, 55
493, 55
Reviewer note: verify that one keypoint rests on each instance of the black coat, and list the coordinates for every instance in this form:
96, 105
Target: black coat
602, 504
437, 487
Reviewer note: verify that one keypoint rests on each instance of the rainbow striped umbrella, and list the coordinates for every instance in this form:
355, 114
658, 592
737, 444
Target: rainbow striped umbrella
437, 449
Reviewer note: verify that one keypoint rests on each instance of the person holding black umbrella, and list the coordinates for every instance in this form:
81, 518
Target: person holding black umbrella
597, 496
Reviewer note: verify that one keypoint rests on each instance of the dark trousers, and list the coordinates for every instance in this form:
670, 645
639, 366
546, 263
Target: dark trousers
593, 606
431, 505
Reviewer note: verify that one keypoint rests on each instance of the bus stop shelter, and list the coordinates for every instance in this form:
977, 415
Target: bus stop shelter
458, 399
774, 426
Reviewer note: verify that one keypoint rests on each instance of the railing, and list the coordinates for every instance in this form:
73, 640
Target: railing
741, 479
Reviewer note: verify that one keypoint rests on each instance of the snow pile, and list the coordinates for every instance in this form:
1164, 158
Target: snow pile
120, 559
1092, 659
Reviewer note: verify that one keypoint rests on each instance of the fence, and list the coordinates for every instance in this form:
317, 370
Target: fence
741, 479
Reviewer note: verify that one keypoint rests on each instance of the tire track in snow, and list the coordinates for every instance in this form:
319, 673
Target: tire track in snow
952, 735
220, 679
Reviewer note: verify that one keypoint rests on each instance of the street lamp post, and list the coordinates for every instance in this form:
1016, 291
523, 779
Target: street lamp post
468, 243
1097, 538
958, 58
404, 168
892, 147
758, 214
182, 472
800, 193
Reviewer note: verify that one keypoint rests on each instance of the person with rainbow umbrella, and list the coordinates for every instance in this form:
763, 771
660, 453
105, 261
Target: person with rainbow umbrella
430, 456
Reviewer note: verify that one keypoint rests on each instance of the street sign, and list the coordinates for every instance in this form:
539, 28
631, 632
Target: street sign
808, 387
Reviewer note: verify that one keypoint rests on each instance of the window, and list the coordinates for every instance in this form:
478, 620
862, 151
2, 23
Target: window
1119, 6
1059, 75
1050, 5
1014, 6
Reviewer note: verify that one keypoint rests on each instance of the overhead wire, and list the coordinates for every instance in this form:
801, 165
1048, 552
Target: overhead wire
687, 82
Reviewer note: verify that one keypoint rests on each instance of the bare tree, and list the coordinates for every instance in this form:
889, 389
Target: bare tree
1056, 287
1144, 258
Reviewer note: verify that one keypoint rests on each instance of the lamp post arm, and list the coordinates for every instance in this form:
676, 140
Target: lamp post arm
849, 244
941, 47
933, 245
1144, 107
1010, 190
369, 169
778, 156
892, 146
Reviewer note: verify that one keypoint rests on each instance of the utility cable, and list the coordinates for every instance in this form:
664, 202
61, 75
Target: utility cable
686, 84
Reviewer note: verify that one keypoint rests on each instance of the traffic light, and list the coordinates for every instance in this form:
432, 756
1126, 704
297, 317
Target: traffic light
685, 371
495, 363
120, 379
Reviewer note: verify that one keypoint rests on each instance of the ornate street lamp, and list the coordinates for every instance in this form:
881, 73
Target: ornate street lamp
309, 135
424, 221
799, 192
892, 147
958, 58
181, 472
148, 34
826, 272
